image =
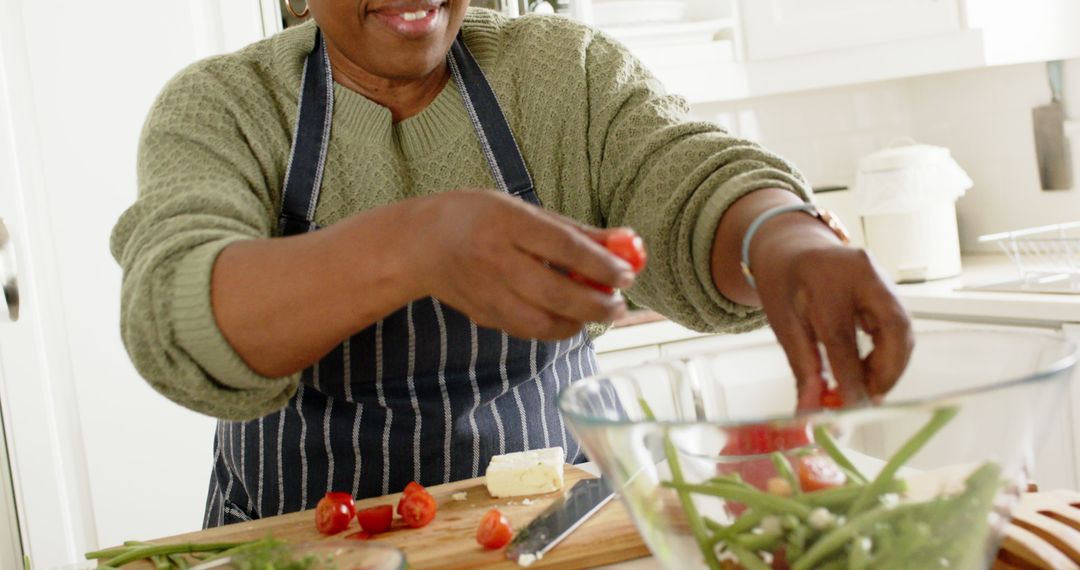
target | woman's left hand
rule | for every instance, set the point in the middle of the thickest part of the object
(814, 289)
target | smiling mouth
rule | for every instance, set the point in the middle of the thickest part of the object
(411, 20)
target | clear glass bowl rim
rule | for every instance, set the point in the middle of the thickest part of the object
(1044, 374)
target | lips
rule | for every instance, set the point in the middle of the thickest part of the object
(411, 20)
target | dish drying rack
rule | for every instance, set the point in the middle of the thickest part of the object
(1047, 259)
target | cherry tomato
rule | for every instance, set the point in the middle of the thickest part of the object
(817, 472)
(376, 519)
(601, 288)
(417, 509)
(627, 245)
(361, 535)
(831, 398)
(344, 498)
(333, 513)
(494, 530)
(411, 488)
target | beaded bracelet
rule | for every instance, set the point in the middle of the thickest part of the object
(824, 215)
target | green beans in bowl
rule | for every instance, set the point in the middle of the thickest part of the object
(718, 472)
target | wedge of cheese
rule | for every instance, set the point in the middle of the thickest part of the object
(525, 472)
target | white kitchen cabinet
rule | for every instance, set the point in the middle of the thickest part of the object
(782, 28)
(784, 46)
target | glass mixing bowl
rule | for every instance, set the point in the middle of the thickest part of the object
(717, 470)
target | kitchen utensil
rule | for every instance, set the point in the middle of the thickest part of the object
(449, 542)
(1045, 532)
(559, 520)
(1047, 259)
(322, 555)
(906, 196)
(1004, 387)
(1051, 143)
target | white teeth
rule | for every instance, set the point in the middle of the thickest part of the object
(413, 16)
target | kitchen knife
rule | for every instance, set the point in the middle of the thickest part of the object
(559, 520)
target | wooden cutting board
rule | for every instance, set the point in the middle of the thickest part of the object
(449, 542)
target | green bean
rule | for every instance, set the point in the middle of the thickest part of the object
(841, 535)
(747, 559)
(705, 543)
(757, 542)
(876, 488)
(160, 562)
(839, 499)
(179, 561)
(141, 552)
(859, 554)
(796, 543)
(783, 468)
(750, 498)
(824, 439)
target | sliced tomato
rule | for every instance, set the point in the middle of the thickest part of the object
(417, 509)
(411, 488)
(332, 514)
(376, 519)
(760, 439)
(345, 499)
(627, 245)
(831, 398)
(817, 472)
(494, 530)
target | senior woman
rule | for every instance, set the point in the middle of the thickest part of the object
(346, 239)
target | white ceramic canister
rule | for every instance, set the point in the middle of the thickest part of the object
(906, 196)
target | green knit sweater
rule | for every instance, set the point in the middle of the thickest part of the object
(603, 141)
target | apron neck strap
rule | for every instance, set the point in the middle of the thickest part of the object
(303, 176)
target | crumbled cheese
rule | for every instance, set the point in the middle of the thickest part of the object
(770, 525)
(525, 472)
(526, 501)
(889, 500)
(460, 496)
(821, 519)
(527, 559)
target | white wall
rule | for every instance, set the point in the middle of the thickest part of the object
(99, 457)
(984, 116)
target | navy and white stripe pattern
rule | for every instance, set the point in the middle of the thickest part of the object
(424, 394)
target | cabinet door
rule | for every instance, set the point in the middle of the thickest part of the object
(779, 28)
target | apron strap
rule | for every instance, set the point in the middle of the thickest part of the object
(496, 138)
(303, 177)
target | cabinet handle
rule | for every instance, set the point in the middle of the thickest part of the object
(9, 283)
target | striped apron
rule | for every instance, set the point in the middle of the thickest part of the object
(425, 394)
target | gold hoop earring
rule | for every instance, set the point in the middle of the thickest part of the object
(288, 5)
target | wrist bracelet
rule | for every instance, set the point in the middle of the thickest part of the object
(824, 215)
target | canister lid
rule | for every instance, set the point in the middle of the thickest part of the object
(902, 157)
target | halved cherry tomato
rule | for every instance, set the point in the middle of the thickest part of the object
(817, 472)
(627, 245)
(333, 513)
(417, 509)
(831, 398)
(411, 488)
(494, 530)
(376, 519)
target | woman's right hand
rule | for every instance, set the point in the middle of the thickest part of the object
(493, 257)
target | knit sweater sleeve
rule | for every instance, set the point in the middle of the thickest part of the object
(202, 186)
(671, 179)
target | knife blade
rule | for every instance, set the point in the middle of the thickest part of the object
(559, 520)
